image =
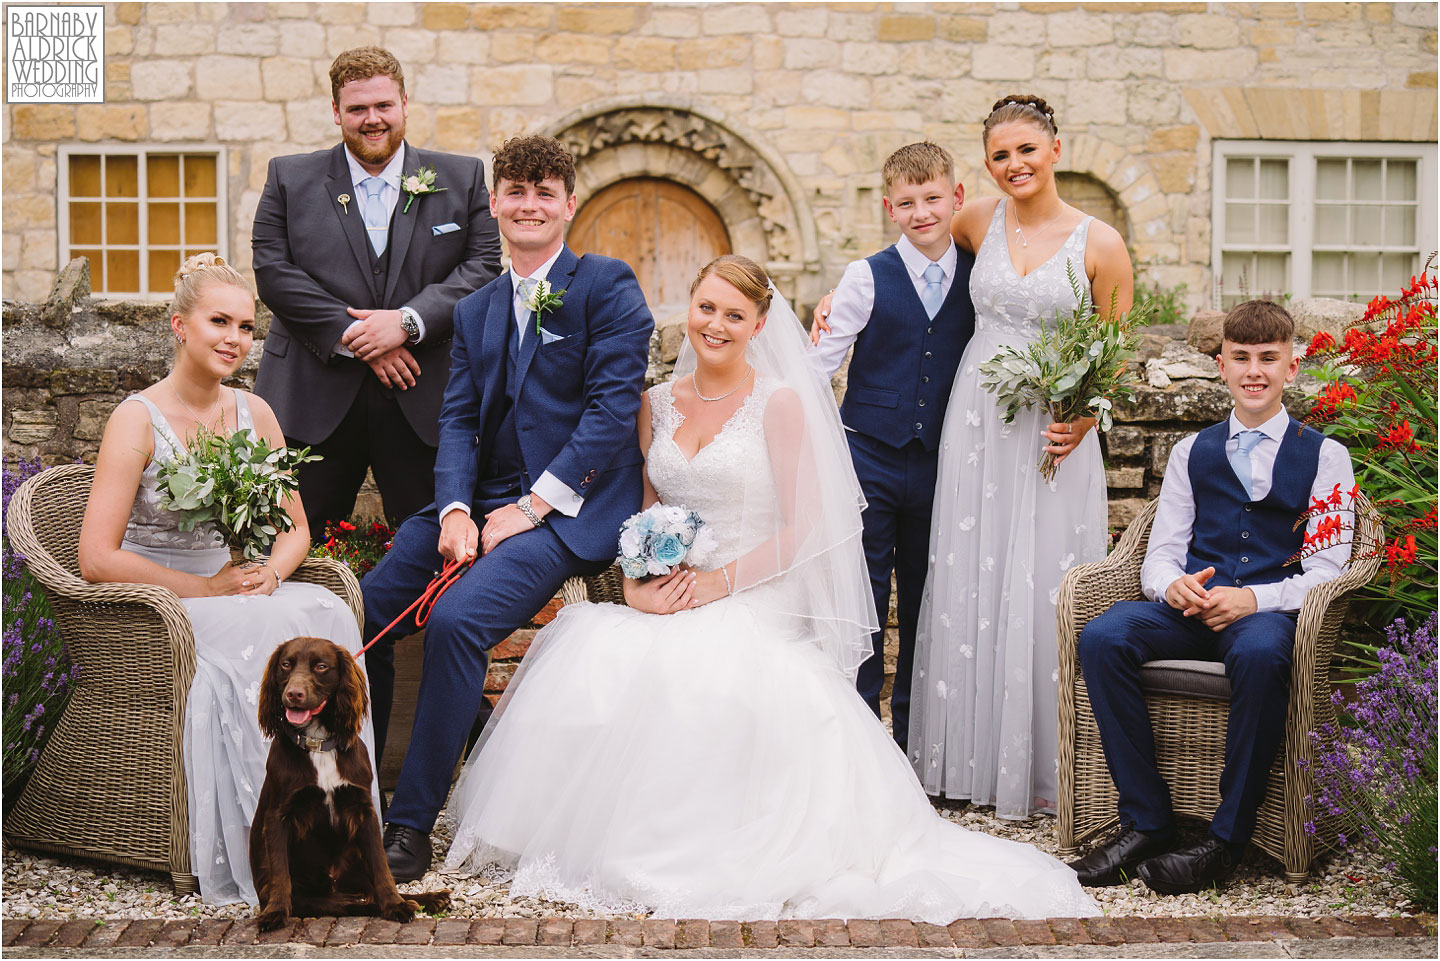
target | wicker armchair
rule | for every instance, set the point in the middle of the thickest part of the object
(1189, 705)
(110, 783)
(607, 587)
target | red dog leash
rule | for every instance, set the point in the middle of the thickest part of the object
(426, 601)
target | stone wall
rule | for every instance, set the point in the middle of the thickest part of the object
(69, 360)
(807, 98)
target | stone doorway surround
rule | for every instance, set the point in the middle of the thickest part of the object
(748, 184)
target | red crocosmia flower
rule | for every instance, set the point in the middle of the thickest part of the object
(1322, 341)
(1399, 437)
(346, 526)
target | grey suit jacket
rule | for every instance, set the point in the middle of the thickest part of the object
(311, 262)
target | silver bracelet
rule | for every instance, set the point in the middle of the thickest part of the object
(278, 580)
(729, 588)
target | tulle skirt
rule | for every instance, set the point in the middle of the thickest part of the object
(224, 750)
(713, 763)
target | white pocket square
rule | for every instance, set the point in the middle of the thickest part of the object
(548, 338)
(439, 229)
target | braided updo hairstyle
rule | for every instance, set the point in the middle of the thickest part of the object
(200, 271)
(1023, 107)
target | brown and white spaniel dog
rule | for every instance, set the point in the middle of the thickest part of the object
(315, 847)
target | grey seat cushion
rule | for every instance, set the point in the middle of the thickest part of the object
(1204, 679)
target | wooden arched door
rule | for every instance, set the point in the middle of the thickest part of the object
(663, 230)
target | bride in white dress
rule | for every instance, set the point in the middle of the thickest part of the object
(702, 752)
(239, 614)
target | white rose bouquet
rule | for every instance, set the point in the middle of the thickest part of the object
(660, 538)
(1079, 369)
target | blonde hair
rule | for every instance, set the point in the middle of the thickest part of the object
(362, 63)
(744, 274)
(1024, 108)
(916, 163)
(200, 271)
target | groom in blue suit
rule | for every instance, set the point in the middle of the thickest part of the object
(538, 445)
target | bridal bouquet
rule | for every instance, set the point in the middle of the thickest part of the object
(657, 540)
(237, 484)
(1077, 370)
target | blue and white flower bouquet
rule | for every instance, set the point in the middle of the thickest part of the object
(660, 538)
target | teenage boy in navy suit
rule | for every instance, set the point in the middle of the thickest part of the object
(907, 310)
(1218, 590)
(538, 467)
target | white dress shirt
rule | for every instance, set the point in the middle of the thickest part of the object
(854, 300)
(1175, 516)
(389, 196)
(548, 488)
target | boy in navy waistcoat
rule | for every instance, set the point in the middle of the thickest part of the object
(907, 310)
(1214, 572)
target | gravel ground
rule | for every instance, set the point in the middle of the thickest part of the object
(1347, 883)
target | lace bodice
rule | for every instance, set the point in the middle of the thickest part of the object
(151, 525)
(1007, 303)
(729, 482)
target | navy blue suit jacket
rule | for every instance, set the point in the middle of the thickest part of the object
(577, 401)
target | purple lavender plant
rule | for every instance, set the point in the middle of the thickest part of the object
(37, 674)
(1375, 766)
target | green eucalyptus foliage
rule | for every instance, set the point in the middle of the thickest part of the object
(237, 485)
(1076, 369)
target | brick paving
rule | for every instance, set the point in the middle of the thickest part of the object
(663, 935)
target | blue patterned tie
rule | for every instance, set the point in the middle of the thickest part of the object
(1245, 442)
(377, 218)
(525, 288)
(932, 296)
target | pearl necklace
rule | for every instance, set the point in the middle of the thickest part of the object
(1021, 234)
(710, 400)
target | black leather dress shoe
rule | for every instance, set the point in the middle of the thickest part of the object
(407, 850)
(1115, 861)
(1190, 869)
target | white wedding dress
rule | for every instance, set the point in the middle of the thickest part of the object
(234, 636)
(715, 763)
(984, 703)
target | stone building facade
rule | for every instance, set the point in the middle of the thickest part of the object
(770, 119)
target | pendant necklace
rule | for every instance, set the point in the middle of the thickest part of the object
(198, 418)
(710, 400)
(1021, 234)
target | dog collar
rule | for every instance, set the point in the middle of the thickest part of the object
(314, 744)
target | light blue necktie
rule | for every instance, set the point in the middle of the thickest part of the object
(377, 218)
(932, 296)
(1245, 442)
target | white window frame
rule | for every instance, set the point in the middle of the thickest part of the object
(1302, 156)
(140, 151)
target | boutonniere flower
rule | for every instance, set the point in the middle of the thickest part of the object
(542, 298)
(418, 183)
(344, 201)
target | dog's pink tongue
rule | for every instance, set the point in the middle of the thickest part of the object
(300, 718)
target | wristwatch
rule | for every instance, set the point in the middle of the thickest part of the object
(524, 504)
(410, 323)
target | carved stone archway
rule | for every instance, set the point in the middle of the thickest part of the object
(763, 207)
(1135, 185)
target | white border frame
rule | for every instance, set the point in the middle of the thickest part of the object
(141, 151)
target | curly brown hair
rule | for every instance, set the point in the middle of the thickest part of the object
(529, 160)
(362, 63)
(1023, 107)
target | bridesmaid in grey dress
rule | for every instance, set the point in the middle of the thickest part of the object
(983, 720)
(239, 614)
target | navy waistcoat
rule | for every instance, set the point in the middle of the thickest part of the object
(904, 363)
(1248, 542)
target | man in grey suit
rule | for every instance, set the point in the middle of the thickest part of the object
(361, 256)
